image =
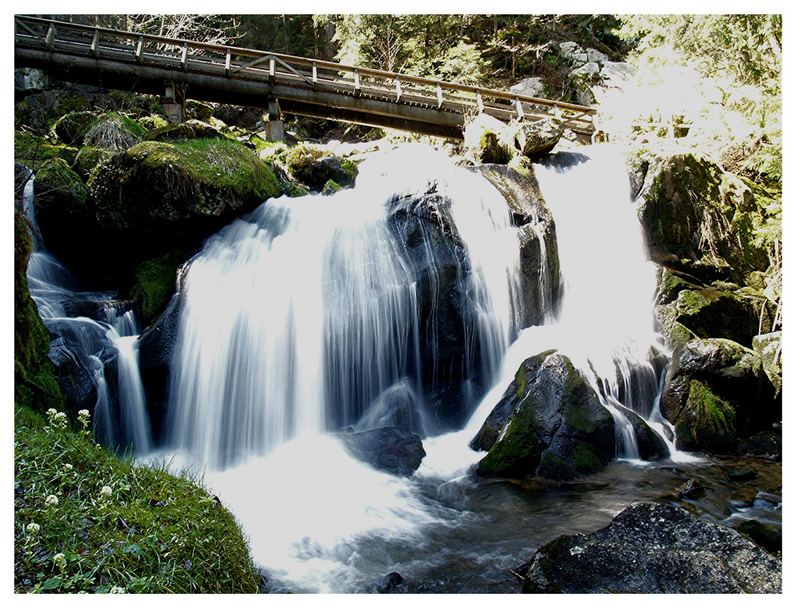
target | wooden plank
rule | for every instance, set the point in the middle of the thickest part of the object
(314, 72)
(228, 63)
(184, 53)
(50, 39)
(479, 101)
(398, 89)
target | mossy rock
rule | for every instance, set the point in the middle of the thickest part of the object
(199, 110)
(715, 393)
(151, 122)
(698, 217)
(710, 312)
(707, 421)
(33, 151)
(314, 167)
(34, 379)
(558, 428)
(159, 193)
(88, 158)
(72, 127)
(183, 131)
(331, 187)
(114, 131)
(489, 140)
(154, 284)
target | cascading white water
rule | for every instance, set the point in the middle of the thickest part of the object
(88, 341)
(298, 317)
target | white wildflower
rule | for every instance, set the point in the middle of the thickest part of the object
(51, 500)
(60, 561)
(59, 419)
(105, 493)
(116, 590)
(83, 418)
(33, 529)
(68, 466)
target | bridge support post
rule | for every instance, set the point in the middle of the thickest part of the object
(273, 121)
(171, 104)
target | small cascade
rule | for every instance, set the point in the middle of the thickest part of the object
(95, 336)
(299, 317)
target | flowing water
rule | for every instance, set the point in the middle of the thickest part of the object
(305, 317)
(90, 330)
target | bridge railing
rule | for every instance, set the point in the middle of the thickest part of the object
(251, 64)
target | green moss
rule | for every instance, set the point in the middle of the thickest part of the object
(154, 284)
(522, 166)
(33, 151)
(152, 531)
(516, 454)
(88, 158)
(581, 459)
(150, 122)
(520, 381)
(492, 150)
(707, 420)
(331, 187)
(56, 180)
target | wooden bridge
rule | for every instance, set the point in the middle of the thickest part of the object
(297, 85)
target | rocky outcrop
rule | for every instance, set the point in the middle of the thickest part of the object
(388, 449)
(537, 138)
(654, 548)
(699, 219)
(715, 393)
(489, 140)
(558, 428)
(540, 276)
(315, 167)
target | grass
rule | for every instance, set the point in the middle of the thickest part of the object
(87, 521)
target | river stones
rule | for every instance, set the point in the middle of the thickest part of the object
(654, 548)
(388, 449)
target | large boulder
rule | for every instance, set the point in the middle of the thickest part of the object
(558, 430)
(537, 138)
(72, 127)
(388, 449)
(654, 548)
(113, 131)
(540, 276)
(176, 194)
(699, 219)
(532, 87)
(489, 140)
(715, 393)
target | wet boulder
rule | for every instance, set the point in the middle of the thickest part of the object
(388, 449)
(559, 429)
(489, 140)
(715, 393)
(72, 127)
(654, 548)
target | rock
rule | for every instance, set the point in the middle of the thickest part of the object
(699, 219)
(765, 444)
(198, 110)
(537, 138)
(113, 131)
(34, 151)
(710, 312)
(180, 132)
(532, 87)
(390, 583)
(650, 444)
(764, 534)
(715, 392)
(396, 407)
(692, 489)
(88, 158)
(72, 127)
(558, 430)
(159, 196)
(576, 54)
(540, 271)
(30, 80)
(331, 187)
(741, 475)
(314, 167)
(654, 548)
(769, 347)
(489, 140)
(388, 449)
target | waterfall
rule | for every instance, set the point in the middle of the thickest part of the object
(91, 329)
(299, 317)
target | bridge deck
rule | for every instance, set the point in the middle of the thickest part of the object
(304, 86)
